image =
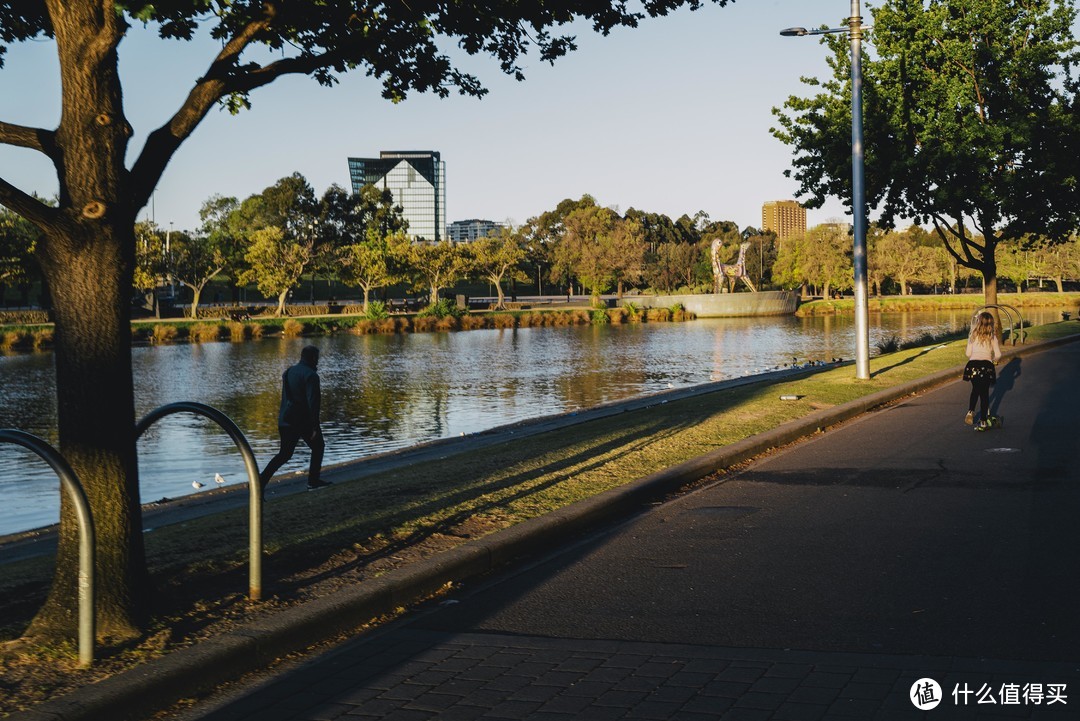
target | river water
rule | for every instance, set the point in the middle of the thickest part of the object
(385, 392)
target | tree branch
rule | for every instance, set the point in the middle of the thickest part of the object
(221, 79)
(21, 136)
(29, 207)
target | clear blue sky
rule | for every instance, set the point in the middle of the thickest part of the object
(671, 117)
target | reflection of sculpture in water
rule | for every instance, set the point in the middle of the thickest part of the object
(727, 275)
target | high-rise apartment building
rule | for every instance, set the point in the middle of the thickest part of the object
(463, 231)
(417, 180)
(783, 217)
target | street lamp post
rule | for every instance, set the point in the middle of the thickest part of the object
(858, 190)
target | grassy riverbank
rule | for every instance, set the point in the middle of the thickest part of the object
(901, 303)
(40, 337)
(318, 542)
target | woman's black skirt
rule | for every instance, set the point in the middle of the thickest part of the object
(980, 369)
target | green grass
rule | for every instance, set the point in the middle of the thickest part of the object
(897, 304)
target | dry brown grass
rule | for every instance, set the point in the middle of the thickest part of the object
(16, 340)
(471, 321)
(292, 328)
(164, 333)
(238, 331)
(658, 315)
(504, 320)
(447, 323)
(423, 324)
(204, 332)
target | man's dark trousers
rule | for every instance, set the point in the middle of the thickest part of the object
(289, 438)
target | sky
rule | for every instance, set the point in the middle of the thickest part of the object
(671, 117)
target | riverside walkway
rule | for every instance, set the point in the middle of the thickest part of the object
(829, 580)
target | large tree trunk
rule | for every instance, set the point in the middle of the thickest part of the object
(196, 291)
(89, 270)
(87, 257)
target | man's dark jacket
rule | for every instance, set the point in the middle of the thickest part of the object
(300, 397)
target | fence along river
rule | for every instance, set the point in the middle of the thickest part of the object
(386, 392)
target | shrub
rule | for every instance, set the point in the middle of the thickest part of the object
(424, 323)
(890, 344)
(659, 315)
(504, 320)
(203, 332)
(633, 312)
(579, 317)
(376, 310)
(163, 333)
(238, 331)
(43, 338)
(471, 321)
(441, 309)
(618, 315)
(364, 326)
(15, 339)
(256, 330)
(292, 328)
(600, 316)
(447, 322)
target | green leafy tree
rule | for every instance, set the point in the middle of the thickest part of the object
(971, 123)
(1060, 261)
(352, 231)
(275, 264)
(87, 248)
(825, 255)
(436, 266)
(1017, 262)
(626, 254)
(585, 248)
(546, 231)
(195, 261)
(901, 258)
(499, 256)
(17, 239)
(370, 263)
(672, 265)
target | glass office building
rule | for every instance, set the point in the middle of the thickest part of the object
(417, 179)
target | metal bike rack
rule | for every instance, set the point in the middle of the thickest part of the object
(1012, 313)
(87, 538)
(255, 545)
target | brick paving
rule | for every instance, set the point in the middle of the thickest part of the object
(406, 674)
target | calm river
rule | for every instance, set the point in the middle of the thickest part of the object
(382, 393)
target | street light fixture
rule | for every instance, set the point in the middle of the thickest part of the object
(858, 191)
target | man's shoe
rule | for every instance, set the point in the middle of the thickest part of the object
(970, 417)
(316, 485)
(982, 426)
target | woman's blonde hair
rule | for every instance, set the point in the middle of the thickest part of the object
(984, 328)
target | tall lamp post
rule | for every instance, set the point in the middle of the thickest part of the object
(858, 190)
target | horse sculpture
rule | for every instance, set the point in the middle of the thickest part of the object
(727, 275)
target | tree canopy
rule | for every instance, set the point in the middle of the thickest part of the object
(87, 247)
(970, 122)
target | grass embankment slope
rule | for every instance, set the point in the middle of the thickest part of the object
(317, 542)
(900, 303)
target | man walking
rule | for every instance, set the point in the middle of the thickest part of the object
(299, 418)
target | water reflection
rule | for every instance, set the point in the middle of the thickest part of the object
(383, 393)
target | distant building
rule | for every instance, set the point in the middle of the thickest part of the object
(786, 218)
(417, 180)
(463, 231)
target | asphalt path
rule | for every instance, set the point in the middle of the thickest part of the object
(820, 582)
(904, 532)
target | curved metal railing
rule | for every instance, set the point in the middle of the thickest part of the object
(1012, 312)
(87, 538)
(254, 486)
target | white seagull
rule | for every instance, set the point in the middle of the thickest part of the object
(218, 479)
(196, 485)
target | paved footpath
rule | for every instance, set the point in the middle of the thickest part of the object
(822, 582)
